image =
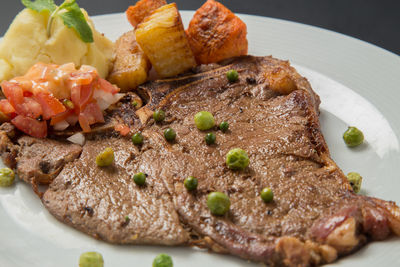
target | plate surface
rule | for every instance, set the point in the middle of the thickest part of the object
(358, 84)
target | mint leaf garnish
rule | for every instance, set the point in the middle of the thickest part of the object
(40, 5)
(75, 19)
(72, 16)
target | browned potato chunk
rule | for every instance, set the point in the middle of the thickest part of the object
(142, 9)
(163, 39)
(131, 65)
(215, 34)
(280, 80)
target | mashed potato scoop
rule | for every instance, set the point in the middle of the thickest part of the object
(26, 43)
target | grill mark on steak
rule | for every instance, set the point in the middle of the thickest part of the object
(314, 216)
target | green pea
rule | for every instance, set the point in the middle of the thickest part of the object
(191, 183)
(237, 159)
(163, 260)
(233, 76)
(267, 195)
(7, 177)
(139, 178)
(137, 139)
(204, 120)
(210, 138)
(355, 180)
(218, 203)
(353, 137)
(91, 259)
(224, 126)
(105, 158)
(159, 115)
(170, 134)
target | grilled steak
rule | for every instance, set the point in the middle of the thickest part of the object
(38, 161)
(106, 203)
(273, 114)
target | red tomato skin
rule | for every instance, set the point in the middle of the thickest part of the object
(90, 115)
(82, 78)
(25, 106)
(6, 107)
(108, 87)
(122, 129)
(93, 110)
(84, 123)
(27, 94)
(86, 95)
(13, 92)
(51, 106)
(75, 97)
(30, 126)
(61, 117)
(29, 108)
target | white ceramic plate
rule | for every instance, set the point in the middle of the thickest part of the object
(358, 84)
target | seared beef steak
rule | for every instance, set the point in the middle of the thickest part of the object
(314, 218)
(107, 204)
(38, 161)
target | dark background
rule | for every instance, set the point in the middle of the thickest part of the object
(374, 21)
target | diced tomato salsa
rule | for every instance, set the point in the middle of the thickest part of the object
(39, 97)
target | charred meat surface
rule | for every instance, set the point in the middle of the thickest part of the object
(273, 115)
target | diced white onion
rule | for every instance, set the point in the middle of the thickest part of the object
(118, 97)
(61, 126)
(105, 99)
(102, 104)
(77, 138)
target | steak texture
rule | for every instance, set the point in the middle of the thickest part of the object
(273, 114)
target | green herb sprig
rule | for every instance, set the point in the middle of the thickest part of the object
(72, 16)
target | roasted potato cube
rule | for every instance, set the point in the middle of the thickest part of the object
(163, 39)
(142, 9)
(280, 79)
(131, 65)
(215, 34)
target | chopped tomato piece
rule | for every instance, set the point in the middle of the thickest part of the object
(6, 107)
(82, 78)
(81, 95)
(25, 106)
(30, 126)
(51, 106)
(29, 108)
(27, 94)
(90, 115)
(84, 123)
(13, 92)
(93, 112)
(122, 129)
(75, 96)
(108, 87)
(38, 96)
(86, 95)
(61, 117)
